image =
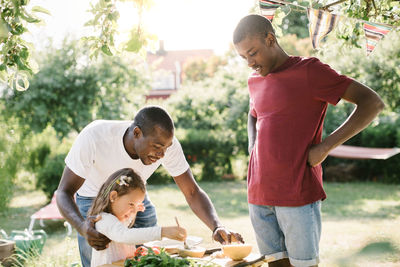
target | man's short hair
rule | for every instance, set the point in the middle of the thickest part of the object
(149, 117)
(252, 25)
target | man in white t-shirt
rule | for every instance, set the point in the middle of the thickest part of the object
(103, 147)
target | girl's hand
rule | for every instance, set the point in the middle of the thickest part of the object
(174, 232)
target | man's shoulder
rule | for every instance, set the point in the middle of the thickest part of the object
(104, 126)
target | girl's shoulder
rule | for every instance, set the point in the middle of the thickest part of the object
(105, 216)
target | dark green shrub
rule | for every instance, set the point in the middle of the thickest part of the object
(49, 176)
(160, 176)
(38, 156)
(11, 158)
(212, 150)
(385, 134)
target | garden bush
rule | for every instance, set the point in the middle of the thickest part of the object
(49, 175)
(384, 132)
(213, 150)
(11, 158)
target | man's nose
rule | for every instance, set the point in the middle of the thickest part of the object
(160, 153)
(250, 62)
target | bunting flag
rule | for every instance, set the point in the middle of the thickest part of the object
(268, 8)
(374, 33)
(321, 23)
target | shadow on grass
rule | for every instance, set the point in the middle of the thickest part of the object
(381, 249)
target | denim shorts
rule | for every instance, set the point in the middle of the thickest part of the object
(288, 232)
(148, 218)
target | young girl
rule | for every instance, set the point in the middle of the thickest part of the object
(116, 205)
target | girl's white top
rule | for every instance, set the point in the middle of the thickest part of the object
(123, 239)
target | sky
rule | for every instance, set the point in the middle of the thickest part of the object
(182, 24)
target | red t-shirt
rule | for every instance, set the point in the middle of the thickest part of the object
(290, 105)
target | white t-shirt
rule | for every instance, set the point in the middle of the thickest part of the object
(123, 239)
(98, 151)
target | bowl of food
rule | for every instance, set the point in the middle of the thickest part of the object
(237, 251)
(194, 252)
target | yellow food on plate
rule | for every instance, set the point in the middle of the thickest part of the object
(237, 251)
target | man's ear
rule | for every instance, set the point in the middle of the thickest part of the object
(137, 132)
(270, 39)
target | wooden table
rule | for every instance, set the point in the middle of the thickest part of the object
(253, 260)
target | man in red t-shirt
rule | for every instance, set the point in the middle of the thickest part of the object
(289, 96)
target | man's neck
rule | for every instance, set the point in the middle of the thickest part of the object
(129, 145)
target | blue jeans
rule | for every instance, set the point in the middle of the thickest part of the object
(288, 232)
(148, 218)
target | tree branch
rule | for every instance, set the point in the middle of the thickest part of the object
(333, 4)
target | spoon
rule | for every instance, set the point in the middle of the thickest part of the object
(185, 245)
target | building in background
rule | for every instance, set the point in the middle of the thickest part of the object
(167, 69)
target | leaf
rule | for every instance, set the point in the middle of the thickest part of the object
(3, 30)
(41, 10)
(3, 75)
(134, 44)
(106, 50)
(25, 81)
(29, 18)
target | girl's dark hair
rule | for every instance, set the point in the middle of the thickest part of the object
(121, 181)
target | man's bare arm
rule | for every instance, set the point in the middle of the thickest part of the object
(69, 184)
(202, 206)
(368, 106)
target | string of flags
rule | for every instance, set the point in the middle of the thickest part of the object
(322, 22)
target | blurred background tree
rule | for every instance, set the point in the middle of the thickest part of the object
(16, 63)
(70, 90)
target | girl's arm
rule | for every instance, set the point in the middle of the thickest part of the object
(111, 227)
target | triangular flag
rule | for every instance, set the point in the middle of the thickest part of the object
(374, 33)
(268, 8)
(321, 23)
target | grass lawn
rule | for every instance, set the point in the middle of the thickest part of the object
(360, 222)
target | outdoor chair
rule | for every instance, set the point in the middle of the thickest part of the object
(49, 212)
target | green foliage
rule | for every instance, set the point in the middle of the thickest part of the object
(10, 154)
(385, 133)
(49, 175)
(105, 26)
(295, 46)
(380, 70)
(152, 259)
(199, 69)
(69, 92)
(160, 176)
(291, 19)
(213, 149)
(162, 259)
(16, 64)
(38, 156)
(211, 118)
